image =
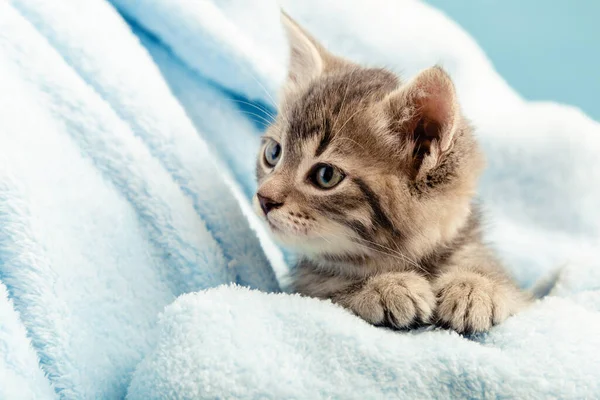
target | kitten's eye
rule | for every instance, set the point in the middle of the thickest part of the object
(326, 176)
(272, 153)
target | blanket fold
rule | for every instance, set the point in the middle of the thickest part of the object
(111, 203)
(20, 372)
(281, 346)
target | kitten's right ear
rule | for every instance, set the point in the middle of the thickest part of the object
(426, 115)
(307, 56)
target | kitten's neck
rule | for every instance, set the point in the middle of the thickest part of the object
(381, 259)
(359, 266)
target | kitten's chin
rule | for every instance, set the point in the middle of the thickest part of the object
(312, 244)
(289, 237)
(307, 239)
(303, 245)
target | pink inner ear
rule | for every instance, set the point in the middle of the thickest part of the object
(436, 110)
(425, 131)
(435, 97)
(435, 113)
(425, 113)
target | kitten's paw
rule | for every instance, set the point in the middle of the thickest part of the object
(469, 302)
(399, 300)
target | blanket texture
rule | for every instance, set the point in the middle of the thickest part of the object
(111, 204)
(128, 133)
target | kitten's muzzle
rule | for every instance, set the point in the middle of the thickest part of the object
(267, 204)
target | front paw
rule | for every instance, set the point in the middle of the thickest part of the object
(398, 300)
(469, 302)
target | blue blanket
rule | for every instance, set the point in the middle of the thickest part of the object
(128, 131)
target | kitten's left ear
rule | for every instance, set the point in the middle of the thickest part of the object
(426, 113)
(307, 56)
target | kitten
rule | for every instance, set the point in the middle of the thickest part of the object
(372, 180)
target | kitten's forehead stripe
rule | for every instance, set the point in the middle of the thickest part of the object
(329, 100)
(325, 139)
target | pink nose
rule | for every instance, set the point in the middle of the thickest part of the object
(267, 204)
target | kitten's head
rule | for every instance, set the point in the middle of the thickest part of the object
(358, 161)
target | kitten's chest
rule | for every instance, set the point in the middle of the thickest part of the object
(315, 281)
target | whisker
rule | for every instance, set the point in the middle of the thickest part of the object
(386, 250)
(324, 238)
(348, 120)
(264, 110)
(400, 254)
(397, 252)
(351, 140)
(342, 106)
(263, 119)
(278, 107)
(251, 75)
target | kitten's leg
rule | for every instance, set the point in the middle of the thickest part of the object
(399, 300)
(474, 299)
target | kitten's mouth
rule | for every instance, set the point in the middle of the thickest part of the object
(283, 229)
(273, 227)
(279, 226)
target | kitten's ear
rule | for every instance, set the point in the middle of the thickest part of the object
(426, 114)
(307, 56)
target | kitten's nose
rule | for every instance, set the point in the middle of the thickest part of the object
(267, 204)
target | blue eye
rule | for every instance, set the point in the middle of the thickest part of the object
(272, 153)
(326, 176)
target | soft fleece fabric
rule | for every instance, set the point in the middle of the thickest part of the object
(128, 133)
(111, 203)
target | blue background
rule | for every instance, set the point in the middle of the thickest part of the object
(546, 50)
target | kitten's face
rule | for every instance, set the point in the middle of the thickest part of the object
(356, 162)
(319, 161)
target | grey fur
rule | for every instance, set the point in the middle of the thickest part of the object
(398, 241)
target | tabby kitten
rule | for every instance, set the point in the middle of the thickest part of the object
(372, 180)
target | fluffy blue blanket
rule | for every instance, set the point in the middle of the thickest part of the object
(128, 131)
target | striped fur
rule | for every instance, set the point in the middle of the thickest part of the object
(398, 241)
